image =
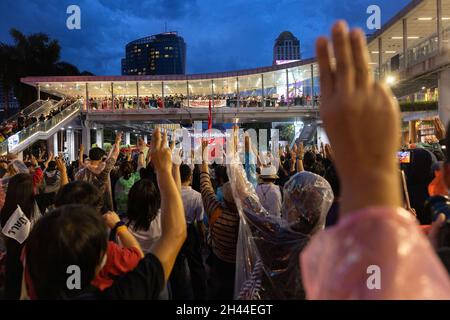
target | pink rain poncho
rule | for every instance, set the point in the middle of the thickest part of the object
(377, 253)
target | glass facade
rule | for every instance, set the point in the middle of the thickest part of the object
(294, 84)
(160, 54)
(13, 103)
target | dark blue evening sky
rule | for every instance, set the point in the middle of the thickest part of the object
(220, 35)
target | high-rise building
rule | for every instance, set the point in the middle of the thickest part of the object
(286, 48)
(123, 63)
(159, 54)
(12, 101)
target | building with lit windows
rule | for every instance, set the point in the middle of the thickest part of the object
(160, 54)
(286, 48)
(12, 101)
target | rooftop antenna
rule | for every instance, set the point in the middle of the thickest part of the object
(165, 27)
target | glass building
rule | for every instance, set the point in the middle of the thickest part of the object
(159, 54)
(286, 48)
(279, 83)
(11, 99)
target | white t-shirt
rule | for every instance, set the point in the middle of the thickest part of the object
(270, 197)
(193, 204)
(147, 238)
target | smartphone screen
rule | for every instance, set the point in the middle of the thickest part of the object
(404, 156)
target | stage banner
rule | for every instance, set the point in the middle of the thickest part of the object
(205, 103)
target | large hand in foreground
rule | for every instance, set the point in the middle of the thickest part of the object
(361, 119)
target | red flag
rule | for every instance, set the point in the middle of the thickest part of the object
(211, 141)
(210, 116)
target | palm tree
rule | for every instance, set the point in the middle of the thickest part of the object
(65, 69)
(37, 56)
(37, 51)
(30, 55)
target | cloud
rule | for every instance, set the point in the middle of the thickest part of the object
(154, 9)
(220, 35)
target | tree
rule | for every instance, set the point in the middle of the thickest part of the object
(65, 69)
(31, 55)
(287, 132)
(258, 126)
(86, 73)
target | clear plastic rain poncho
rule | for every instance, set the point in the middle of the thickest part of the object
(268, 247)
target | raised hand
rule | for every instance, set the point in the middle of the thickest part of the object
(300, 150)
(111, 218)
(41, 155)
(60, 165)
(161, 154)
(205, 144)
(177, 154)
(362, 121)
(149, 157)
(294, 152)
(141, 145)
(439, 129)
(128, 154)
(118, 139)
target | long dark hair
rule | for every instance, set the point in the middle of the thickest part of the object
(144, 201)
(72, 235)
(20, 192)
(127, 169)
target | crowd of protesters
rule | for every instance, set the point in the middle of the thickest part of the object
(181, 101)
(148, 226)
(24, 121)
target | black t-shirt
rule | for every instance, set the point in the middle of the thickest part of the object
(145, 282)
